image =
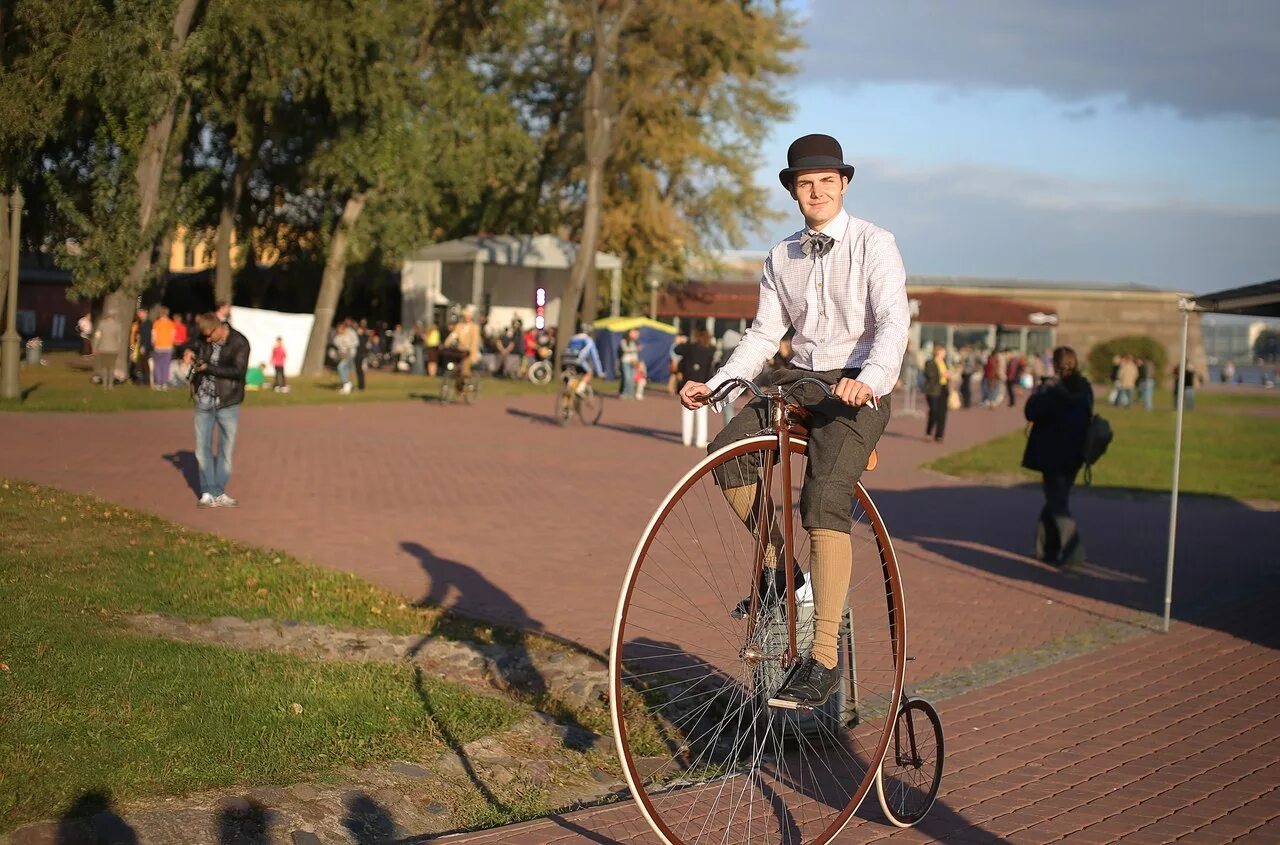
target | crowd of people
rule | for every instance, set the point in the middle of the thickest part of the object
(153, 351)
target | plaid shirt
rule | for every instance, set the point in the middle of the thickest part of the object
(848, 308)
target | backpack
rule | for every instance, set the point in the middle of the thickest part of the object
(1096, 440)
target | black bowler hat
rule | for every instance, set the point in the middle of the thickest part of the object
(814, 152)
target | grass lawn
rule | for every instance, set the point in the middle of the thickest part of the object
(1227, 449)
(85, 705)
(62, 384)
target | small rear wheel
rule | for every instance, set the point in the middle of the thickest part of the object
(471, 392)
(908, 779)
(590, 406)
(446, 391)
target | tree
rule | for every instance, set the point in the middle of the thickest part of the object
(1267, 345)
(685, 96)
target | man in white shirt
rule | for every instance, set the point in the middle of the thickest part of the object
(839, 283)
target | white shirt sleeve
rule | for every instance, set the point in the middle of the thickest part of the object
(761, 341)
(887, 300)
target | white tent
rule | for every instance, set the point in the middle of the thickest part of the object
(1260, 300)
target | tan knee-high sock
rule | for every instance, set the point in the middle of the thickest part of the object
(743, 502)
(832, 562)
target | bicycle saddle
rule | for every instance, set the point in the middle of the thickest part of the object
(799, 417)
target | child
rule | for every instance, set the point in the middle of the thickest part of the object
(278, 355)
(642, 378)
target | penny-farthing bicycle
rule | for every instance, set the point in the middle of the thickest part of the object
(707, 757)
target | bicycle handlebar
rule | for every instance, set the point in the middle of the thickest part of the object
(722, 392)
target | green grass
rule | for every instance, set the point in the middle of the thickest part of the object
(1225, 450)
(63, 385)
(84, 705)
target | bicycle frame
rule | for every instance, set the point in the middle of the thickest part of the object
(781, 421)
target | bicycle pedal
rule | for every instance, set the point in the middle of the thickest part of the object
(787, 704)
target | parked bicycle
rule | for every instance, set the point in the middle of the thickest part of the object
(580, 400)
(710, 755)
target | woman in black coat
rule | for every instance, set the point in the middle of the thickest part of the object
(937, 393)
(1060, 411)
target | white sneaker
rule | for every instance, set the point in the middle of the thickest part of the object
(206, 501)
(346, 388)
(225, 501)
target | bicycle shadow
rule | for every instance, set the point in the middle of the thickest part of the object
(516, 671)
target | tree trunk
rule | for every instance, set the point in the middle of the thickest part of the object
(599, 119)
(123, 304)
(152, 157)
(335, 270)
(222, 285)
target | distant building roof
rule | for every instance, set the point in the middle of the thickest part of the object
(518, 250)
(957, 309)
(1044, 284)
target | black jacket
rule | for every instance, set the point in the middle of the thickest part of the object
(933, 385)
(228, 373)
(1060, 414)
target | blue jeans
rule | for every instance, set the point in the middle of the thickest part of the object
(344, 369)
(215, 472)
(628, 380)
(1148, 387)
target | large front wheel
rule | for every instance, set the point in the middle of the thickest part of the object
(706, 758)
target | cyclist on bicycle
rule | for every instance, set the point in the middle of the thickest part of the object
(839, 283)
(581, 353)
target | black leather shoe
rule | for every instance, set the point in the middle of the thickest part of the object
(771, 589)
(809, 684)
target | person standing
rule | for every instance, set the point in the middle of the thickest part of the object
(937, 392)
(140, 348)
(968, 366)
(628, 357)
(1147, 382)
(1013, 376)
(278, 356)
(465, 339)
(1126, 381)
(163, 332)
(696, 357)
(84, 326)
(990, 379)
(106, 347)
(219, 362)
(1187, 381)
(345, 344)
(364, 337)
(840, 284)
(1060, 411)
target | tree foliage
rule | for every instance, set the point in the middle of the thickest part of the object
(1137, 346)
(339, 131)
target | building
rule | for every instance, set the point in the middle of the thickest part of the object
(1030, 316)
(505, 276)
(1230, 339)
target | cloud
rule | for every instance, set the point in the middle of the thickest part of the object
(989, 222)
(1200, 58)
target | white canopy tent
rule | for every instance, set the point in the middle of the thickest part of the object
(1260, 300)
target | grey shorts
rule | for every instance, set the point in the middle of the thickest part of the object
(841, 438)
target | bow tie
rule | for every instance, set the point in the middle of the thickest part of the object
(816, 243)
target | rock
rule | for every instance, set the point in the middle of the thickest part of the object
(435, 808)
(304, 792)
(45, 833)
(270, 795)
(305, 837)
(450, 763)
(409, 770)
(237, 808)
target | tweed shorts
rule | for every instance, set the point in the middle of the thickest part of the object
(841, 438)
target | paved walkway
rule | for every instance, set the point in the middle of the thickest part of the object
(495, 510)
(1159, 740)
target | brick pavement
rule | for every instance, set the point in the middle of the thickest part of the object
(1161, 739)
(485, 509)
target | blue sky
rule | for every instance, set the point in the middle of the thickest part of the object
(1091, 140)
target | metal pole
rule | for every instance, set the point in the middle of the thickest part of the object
(1186, 307)
(11, 343)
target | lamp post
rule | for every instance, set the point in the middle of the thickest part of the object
(11, 343)
(654, 278)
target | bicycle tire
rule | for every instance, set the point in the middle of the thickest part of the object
(914, 765)
(540, 372)
(471, 392)
(590, 406)
(446, 391)
(705, 758)
(564, 406)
